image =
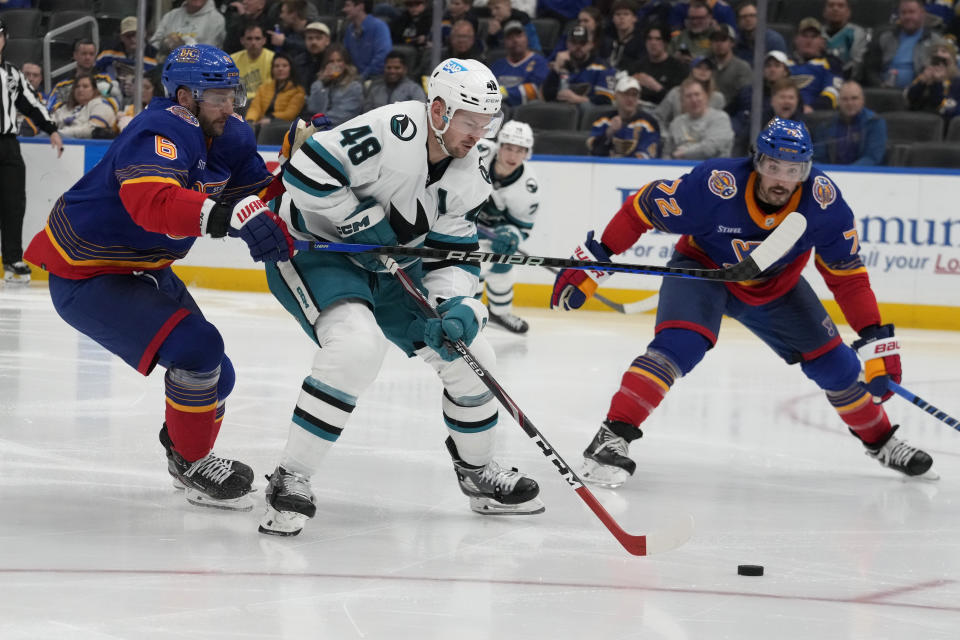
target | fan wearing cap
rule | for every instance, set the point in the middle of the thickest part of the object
(577, 75)
(522, 71)
(723, 209)
(776, 67)
(502, 15)
(813, 68)
(405, 174)
(702, 69)
(626, 131)
(316, 39)
(119, 58)
(731, 74)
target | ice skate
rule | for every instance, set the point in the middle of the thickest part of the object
(494, 490)
(290, 503)
(211, 481)
(509, 321)
(898, 455)
(16, 272)
(605, 460)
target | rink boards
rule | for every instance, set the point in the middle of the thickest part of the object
(907, 221)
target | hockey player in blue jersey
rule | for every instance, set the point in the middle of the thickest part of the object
(723, 209)
(187, 166)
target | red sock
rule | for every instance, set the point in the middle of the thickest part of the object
(867, 420)
(191, 416)
(642, 388)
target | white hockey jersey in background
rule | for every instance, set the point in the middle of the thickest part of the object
(515, 198)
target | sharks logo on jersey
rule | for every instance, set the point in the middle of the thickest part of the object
(403, 127)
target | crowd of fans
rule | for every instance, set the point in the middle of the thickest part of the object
(648, 78)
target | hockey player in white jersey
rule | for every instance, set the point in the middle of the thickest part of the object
(508, 216)
(404, 174)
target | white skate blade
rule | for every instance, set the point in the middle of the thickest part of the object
(200, 499)
(603, 475)
(282, 523)
(927, 476)
(490, 507)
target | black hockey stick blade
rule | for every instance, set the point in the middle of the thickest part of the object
(761, 258)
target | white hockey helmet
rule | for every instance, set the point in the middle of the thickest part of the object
(467, 85)
(518, 133)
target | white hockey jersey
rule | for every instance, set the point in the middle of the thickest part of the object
(380, 158)
(515, 198)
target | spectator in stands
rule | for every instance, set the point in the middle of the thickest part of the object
(812, 71)
(700, 132)
(784, 102)
(702, 70)
(394, 86)
(856, 136)
(119, 58)
(502, 14)
(578, 76)
(367, 39)
(85, 114)
(732, 74)
(721, 11)
(653, 13)
(627, 131)
(33, 74)
(845, 40)
(462, 43)
(522, 71)
(317, 38)
(562, 10)
(194, 22)
(255, 61)
(657, 72)
(776, 67)
(694, 40)
(627, 47)
(937, 89)
(337, 93)
(150, 88)
(281, 97)
(241, 13)
(896, 55)
(412, 27)
(747, 33)
(291, 37)
(592, 20)
(458, 10)
(85, 57)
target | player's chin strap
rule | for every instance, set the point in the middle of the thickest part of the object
(437, 133)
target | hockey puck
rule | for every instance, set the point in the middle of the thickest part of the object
(750, 569)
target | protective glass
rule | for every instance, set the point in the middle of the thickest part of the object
(783, 169)
(479, 125)
(222, 99)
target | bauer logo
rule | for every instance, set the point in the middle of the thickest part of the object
(453, 66)
(824, 192)
(723, 184)
(403, 127)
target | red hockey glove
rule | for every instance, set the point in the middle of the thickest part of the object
(880, 353)
(573, 287)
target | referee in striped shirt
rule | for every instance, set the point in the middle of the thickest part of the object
(16, 94)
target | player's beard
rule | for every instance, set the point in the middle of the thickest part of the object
(776, 195)
(212, 127)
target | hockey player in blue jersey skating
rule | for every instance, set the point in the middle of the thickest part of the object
(185, 167)
(723, 209)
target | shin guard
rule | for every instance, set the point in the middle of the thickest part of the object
(866, 420)
(191, 411)
(642, 388)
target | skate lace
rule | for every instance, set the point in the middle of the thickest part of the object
(499, 478)
(900, 453)
(613, 442)
(295, 484)
(212, 468)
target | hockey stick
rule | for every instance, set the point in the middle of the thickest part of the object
(768, 252)
(926, 406)
(639, 306)
(642, 545)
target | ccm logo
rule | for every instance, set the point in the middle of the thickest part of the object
(248, 211)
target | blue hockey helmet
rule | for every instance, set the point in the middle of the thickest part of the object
(199, 67)
(784, 150)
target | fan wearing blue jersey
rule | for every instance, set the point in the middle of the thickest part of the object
(187, 166)
(722, 210)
